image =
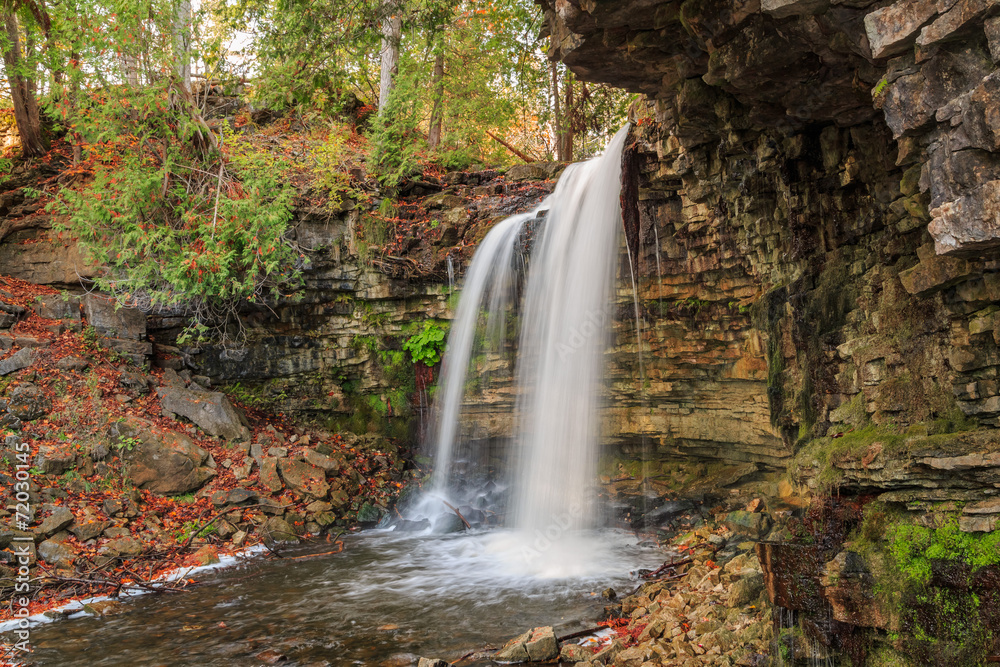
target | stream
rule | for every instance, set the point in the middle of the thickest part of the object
(386, 599)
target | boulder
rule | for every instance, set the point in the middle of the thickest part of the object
(28, 402)
(163, 461)
(57, 306)
(751, 524)
(327, 463)
(211, 411)
(536, 645)
(53, 460)
(269, 474)
(746, 590)
(575, 653)
(72, 363)
(17, 361)
(111, 320)
(121, 546)
(58, 520)
(304, 478)
(431, 662)
(88, 526)
(56, 553)
(276, 529)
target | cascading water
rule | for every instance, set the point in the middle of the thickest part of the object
(560, 369)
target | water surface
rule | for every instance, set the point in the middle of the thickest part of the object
(385, 596)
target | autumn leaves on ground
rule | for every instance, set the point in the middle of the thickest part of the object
(122, 489)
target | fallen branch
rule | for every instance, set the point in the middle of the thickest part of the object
(666, 566)
(581, 633)
(468, 526)
(523, 156)
(474, 653)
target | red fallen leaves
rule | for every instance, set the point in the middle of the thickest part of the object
(628, 634)
(84, 404)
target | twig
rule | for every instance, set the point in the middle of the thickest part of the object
(218, 190)
(666, 566)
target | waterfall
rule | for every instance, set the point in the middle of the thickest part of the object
(564, 332)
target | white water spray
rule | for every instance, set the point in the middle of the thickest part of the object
(565, 322)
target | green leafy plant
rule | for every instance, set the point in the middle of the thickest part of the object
(426, 345)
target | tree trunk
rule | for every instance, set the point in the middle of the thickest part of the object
(182, 42)
(569, 125)
(130, 67)
(557, 115)
(29, 126)
(392, 29)
(437, 111)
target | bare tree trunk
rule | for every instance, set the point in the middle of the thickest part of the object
(130, 66)
(182, 42)
(22, 93)
(557, 115)
(437, 111)
(569, 126)
(392, 29)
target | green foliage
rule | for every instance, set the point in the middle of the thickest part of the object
(426, 345)
(175, 225)
(914, 547)
(189, 528)
(333, 160)
(128, 444)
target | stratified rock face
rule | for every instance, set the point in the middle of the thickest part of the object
(818, 218)
(928, 65)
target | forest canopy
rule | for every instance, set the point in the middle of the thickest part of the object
(186, 206)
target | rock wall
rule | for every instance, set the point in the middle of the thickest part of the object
(815, 197)
(817, 289)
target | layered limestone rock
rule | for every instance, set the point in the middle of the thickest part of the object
(815, 185)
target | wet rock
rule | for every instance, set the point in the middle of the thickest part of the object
(407, 526)
(574, 653)
(276, 530)
(514, 650)
(28, 402)
(746, 590)
(212, 412)
(448, 523)
(105, 607)
(431, 662)
(57, 553)
(304, 478)
(206, 555)
(369, 514)
(17, 361)
(58, 520)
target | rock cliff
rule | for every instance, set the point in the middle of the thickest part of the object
(817, 270)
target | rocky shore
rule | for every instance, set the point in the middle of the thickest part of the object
(114, 473)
